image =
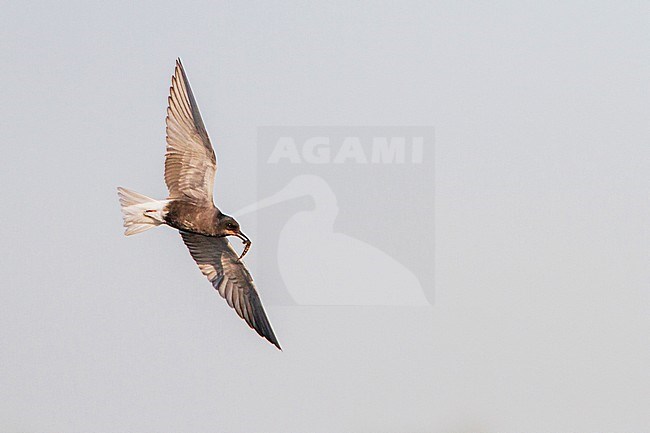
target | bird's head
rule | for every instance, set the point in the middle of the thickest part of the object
(228, 226)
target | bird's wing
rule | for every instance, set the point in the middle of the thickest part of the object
(190, 163)
(219, 262)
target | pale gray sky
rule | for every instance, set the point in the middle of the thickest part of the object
(540, 319)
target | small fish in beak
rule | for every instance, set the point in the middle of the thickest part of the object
(246, 242)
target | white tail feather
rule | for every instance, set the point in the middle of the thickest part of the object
(140, 212)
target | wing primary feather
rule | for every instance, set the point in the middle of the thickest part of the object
(190, 162)
(218, 261)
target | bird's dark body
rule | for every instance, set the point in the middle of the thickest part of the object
(189, 217)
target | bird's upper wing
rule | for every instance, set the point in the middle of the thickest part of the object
(220, 263)
(190, 163)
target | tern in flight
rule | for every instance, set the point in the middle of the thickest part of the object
(190, 166)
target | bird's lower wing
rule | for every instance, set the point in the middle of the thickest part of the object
(220, 263)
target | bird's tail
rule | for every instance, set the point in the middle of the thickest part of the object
(140, 212)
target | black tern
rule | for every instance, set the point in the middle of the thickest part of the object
(190, 167)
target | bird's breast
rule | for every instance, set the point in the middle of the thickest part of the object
(190, 217)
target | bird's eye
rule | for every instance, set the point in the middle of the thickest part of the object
(231, 226)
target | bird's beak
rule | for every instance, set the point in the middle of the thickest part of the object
(246, 242)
